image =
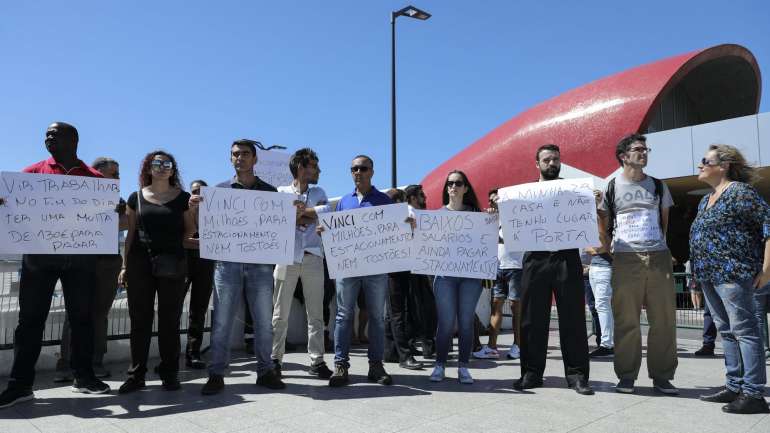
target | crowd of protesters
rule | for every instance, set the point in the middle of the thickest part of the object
(631, 269)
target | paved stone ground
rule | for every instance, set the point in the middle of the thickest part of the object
(413, 404)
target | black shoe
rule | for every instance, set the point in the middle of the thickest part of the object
(214, 385)
(270, 380)
(601, 352)
(13, 395)
(705, 351)
(171, 383)
(195, 362)
(90, 386)
(746, 405)
(625, 386)
(723, 396)
(339, 377)
(277, 368)
(528, 381)
(320, 370)
(664, 387)
(130, 385)
(581, 386)
(377, 374)
(410, 364)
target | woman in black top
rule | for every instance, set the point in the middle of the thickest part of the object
(158, 223)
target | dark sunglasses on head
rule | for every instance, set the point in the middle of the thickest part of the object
(359, 168)
(456, 183)
(166, 165)
(709, 162)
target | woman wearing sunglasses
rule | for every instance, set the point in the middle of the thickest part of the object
(456, 297)
(730, 253)
(158, 223)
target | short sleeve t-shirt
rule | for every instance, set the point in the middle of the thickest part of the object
(637, 215)
(163, 223)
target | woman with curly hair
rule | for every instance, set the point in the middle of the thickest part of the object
(158, 223)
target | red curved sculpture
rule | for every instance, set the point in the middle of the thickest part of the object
(585, 122)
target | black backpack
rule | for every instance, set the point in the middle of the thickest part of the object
(610, 197)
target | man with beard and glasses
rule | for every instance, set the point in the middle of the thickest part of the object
(547, 274)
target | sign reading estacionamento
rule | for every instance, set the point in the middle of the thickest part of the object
(58, 214)
(549, 216)
(244, 226)
(455, 244)
(367, 241)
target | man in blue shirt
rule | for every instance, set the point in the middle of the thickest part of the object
(375, 288)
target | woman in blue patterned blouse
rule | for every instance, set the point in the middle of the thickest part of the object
(731, 260)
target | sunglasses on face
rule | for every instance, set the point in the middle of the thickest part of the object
(455, 183)
(707, 162)
(359, 169)
(165, 165)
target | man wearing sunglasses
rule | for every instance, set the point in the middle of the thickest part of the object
(634, 216)
(375, 288)
(38, 277)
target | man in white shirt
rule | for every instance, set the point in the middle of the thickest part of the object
(308, 265)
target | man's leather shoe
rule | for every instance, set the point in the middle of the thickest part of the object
(410, 364)
(705, 351)
(746, 405)
(528, 381)
(582, 387)
(723, 396)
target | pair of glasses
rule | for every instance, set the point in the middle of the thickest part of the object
(640, 150)
(455, 183)
(708, 162)
(158, 164)
(359, 169)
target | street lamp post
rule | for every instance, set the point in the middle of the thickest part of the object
(410, 12)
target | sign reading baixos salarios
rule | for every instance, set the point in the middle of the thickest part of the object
(367, 241)
(549, 216)
(57, 214)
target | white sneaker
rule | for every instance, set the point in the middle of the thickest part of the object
(514, 353)
(486, 352)
(464, 376)
(438, 374)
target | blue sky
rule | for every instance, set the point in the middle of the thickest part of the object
(191, 76)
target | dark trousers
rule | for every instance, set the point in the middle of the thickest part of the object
(422, 317)
(396, 336)
(709, 327)
(200, 282)
(141, 290)
(558, 274)
(591, 304)
(105, 288)
(330, 292)
(39, 273)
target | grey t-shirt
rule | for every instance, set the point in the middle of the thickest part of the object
(637, 215)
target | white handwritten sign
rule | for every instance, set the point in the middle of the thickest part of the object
(57, 214)
(641, 225)
(455, 244)
(367, 241)
(245, 226)
(549, 216)
(273, 167)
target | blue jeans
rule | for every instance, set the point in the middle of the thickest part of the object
(600, 277)
(233, 281)
(456, 300)
(375, 289)
(761, 304)
(732, 307)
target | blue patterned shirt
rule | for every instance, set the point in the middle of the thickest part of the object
(727, 241)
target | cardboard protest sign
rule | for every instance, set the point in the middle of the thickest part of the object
(273, 167)
(549, 216)
(367, 241)
(57, 214)
(455, 244)
(245, 226)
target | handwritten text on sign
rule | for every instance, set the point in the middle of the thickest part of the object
(273, 167)
(56, 214)
(549, 216)
(244, 226)
(455, 244)
(367, 241)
